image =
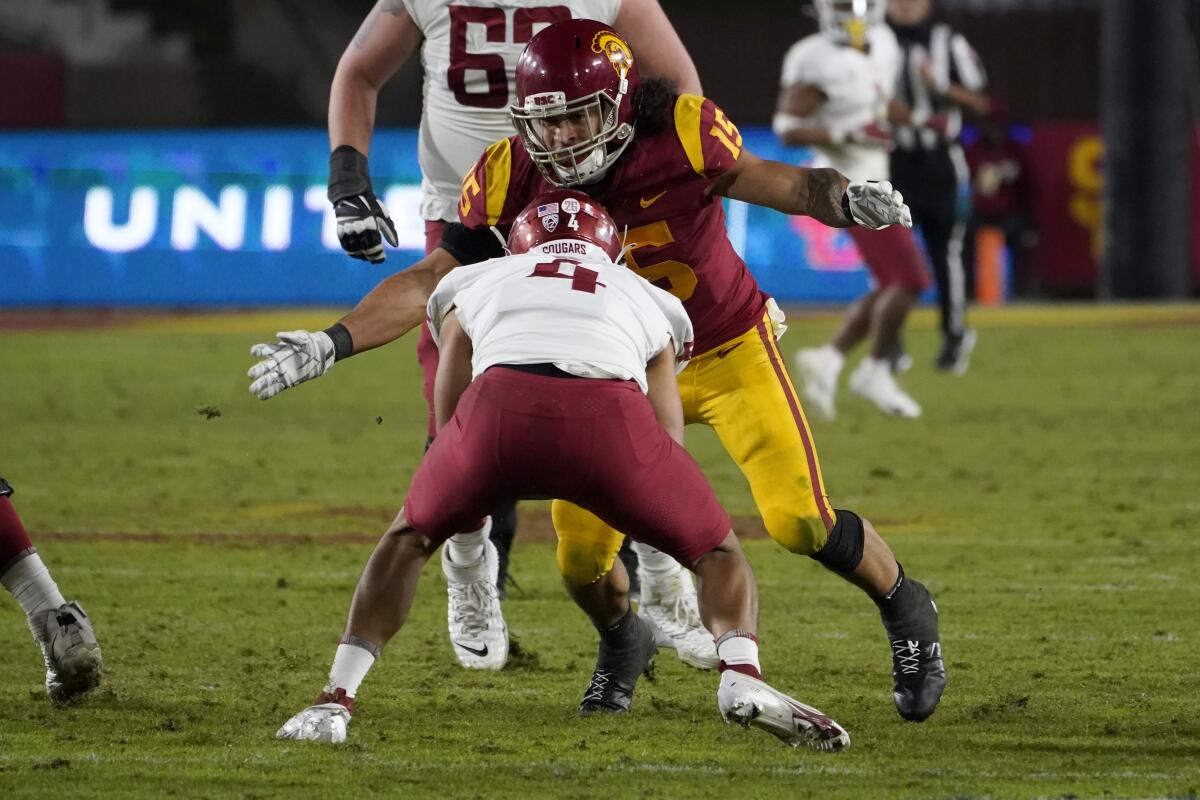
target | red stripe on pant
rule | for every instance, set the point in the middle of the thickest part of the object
(814, 472)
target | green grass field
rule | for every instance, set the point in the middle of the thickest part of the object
(1050, 499)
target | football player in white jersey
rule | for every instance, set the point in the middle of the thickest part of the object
(469, 51)
(836, 86)
(557, 379)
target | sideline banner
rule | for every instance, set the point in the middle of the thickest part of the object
(239, 217)
(1066, 181)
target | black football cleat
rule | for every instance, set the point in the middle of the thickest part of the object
(955, 355)
(611, 688)
(918, 677)
(918, 672)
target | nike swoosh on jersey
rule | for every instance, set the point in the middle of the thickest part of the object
(728, 350)
(647, 203)
(481, 652)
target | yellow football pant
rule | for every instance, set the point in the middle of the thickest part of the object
(742, 391)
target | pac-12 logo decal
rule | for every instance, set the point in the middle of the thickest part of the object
(613, 46)
(550, 222)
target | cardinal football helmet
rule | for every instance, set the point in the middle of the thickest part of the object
(563, 214)
(574, 109)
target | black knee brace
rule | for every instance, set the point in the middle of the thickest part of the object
(843, 550)
(5, 488)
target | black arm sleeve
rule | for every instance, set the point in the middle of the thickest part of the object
(470, 245)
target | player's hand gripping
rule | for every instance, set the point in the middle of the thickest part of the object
(362, 225)
(298, 356)
(875, 205)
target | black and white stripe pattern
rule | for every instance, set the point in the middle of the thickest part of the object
(952, 60)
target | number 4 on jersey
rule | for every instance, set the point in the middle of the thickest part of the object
(582, 279)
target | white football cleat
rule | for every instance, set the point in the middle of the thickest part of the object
(819, 369)
(324, 722)
(749, 701)
(671, 607)
(873, 380)
(71, 653)
(477, 628)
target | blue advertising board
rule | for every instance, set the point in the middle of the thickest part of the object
(239, 218)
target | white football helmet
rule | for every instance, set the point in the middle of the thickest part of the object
(847, 21)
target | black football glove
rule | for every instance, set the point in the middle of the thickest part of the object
(362, 221)
(362, 224)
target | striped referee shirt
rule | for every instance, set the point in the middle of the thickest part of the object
(952, 61)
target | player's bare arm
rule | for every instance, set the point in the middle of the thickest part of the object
(387, 38)
(454, 369)
(397, 304)
(659, 49)
(826, 195)
(390, 310)
(795, 105)
(816, 193)
(663, 392)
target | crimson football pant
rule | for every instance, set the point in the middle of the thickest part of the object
(592, 442)
(504, 517)
(893, 257)
(14, 541)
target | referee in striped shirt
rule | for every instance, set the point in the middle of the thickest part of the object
(939, 77)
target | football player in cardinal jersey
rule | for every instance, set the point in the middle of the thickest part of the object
(469, 52)
(557, 379)
(660, 163)
(60, 627)
(835, 91)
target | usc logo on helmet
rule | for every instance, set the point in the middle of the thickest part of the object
(614, 47)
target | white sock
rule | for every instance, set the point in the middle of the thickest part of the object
(739, 650)
(30, 584)
(834, 354)
(654, 565)
(350, 665)
(467, 548)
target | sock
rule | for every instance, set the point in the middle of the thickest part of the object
(654, 566)
(14, 541)
(738, 651)
(351, 663)
(467, 548)
(621, 635)
(30, 584)
(903, 610)
(833, 353)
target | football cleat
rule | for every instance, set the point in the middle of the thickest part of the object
(617, 671)
(918, 671)
(324, 721)
(750, 701)
(478, 632)
(873, 380)
(819, 369)
(671, 607)
(71, 653)
(955, 355)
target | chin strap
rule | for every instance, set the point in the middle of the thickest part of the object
(503, 242)
(626, 246)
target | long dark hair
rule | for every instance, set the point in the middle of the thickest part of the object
(654, 106)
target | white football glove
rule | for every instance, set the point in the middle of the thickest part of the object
(298, 356)
(322, 723)
(875, 205)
